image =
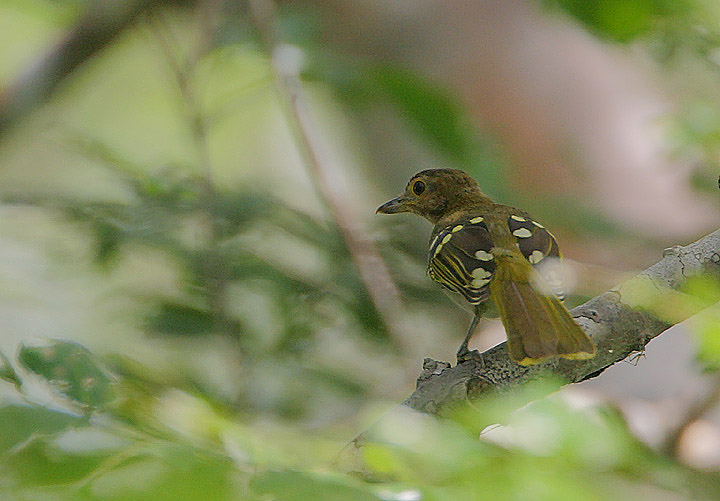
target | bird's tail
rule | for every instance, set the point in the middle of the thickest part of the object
(538, 326)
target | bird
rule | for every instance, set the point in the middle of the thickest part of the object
(484, 251)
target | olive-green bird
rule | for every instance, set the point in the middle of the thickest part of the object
(481, 249)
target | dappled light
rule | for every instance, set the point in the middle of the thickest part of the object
(200, 302)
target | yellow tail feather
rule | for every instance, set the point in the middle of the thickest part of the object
(538, 326)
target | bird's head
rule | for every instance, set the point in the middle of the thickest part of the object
(435, 193)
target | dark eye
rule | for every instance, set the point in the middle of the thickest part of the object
(418, 187)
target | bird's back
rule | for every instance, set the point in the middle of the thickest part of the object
(466, 248)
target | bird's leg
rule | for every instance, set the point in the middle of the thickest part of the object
(463, 353)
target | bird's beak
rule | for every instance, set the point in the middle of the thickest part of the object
(394, 206)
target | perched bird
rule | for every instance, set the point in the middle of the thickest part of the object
(481, 249)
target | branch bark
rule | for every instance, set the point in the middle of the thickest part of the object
(620, 322)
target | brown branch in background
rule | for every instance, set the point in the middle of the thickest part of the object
(672, 443)
(97, 28)
(372, 268)
(620, 322)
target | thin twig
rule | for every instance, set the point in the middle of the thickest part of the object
(216, 282)
(373, 270)
(95, 30)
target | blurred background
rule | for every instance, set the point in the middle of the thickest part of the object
(198, 301)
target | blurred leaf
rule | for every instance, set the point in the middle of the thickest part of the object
(168, 186)
(430, 110)
(342, 382)
(707, 337)
(181, 319)
(62, 13)
(40, 461)
(145, 470)
(72, 370)
(108, 240)
(168, 471)
(19, 422)
(116, 224)
(236, 210)
(443, 123)
(622, 20)
(293, 485)
(439, 117)
(7, 372)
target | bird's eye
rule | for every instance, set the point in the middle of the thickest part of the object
(418, 188)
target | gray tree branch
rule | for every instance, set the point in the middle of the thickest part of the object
(620, 322)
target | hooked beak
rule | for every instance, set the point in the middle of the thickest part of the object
(394, 206)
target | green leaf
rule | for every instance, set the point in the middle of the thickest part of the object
(115, 469)
(108, 239)
(621, 20)
(294, 485)
(7, 373)
(20, 422)
(41, 462)
(430, 110)
(179, 319)
(168, 471)
(72, 370)
(707, 338)
(443, 122)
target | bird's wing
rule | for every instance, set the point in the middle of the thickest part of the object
(540, 248)
(460, 259)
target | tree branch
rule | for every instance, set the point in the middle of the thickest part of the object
(328, 179)
(620, 322)
(97, 28)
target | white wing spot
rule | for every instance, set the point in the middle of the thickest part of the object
(481, 273)
(483, 255)
(476, 220)
(522, 233)
(457, 228)
(445, 240)
(536, 257)
(538, 224)
(518, 218)
(480, 282)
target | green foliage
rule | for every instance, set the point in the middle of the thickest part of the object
(7, 373)
(695, 135)
(706, 325)
(209, 237)
(278, 285)
(306, 485)
(622, 20)
(547, 450)
(72, 370)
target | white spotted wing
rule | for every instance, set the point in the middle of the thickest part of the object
(539, 247)
(461, 260)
